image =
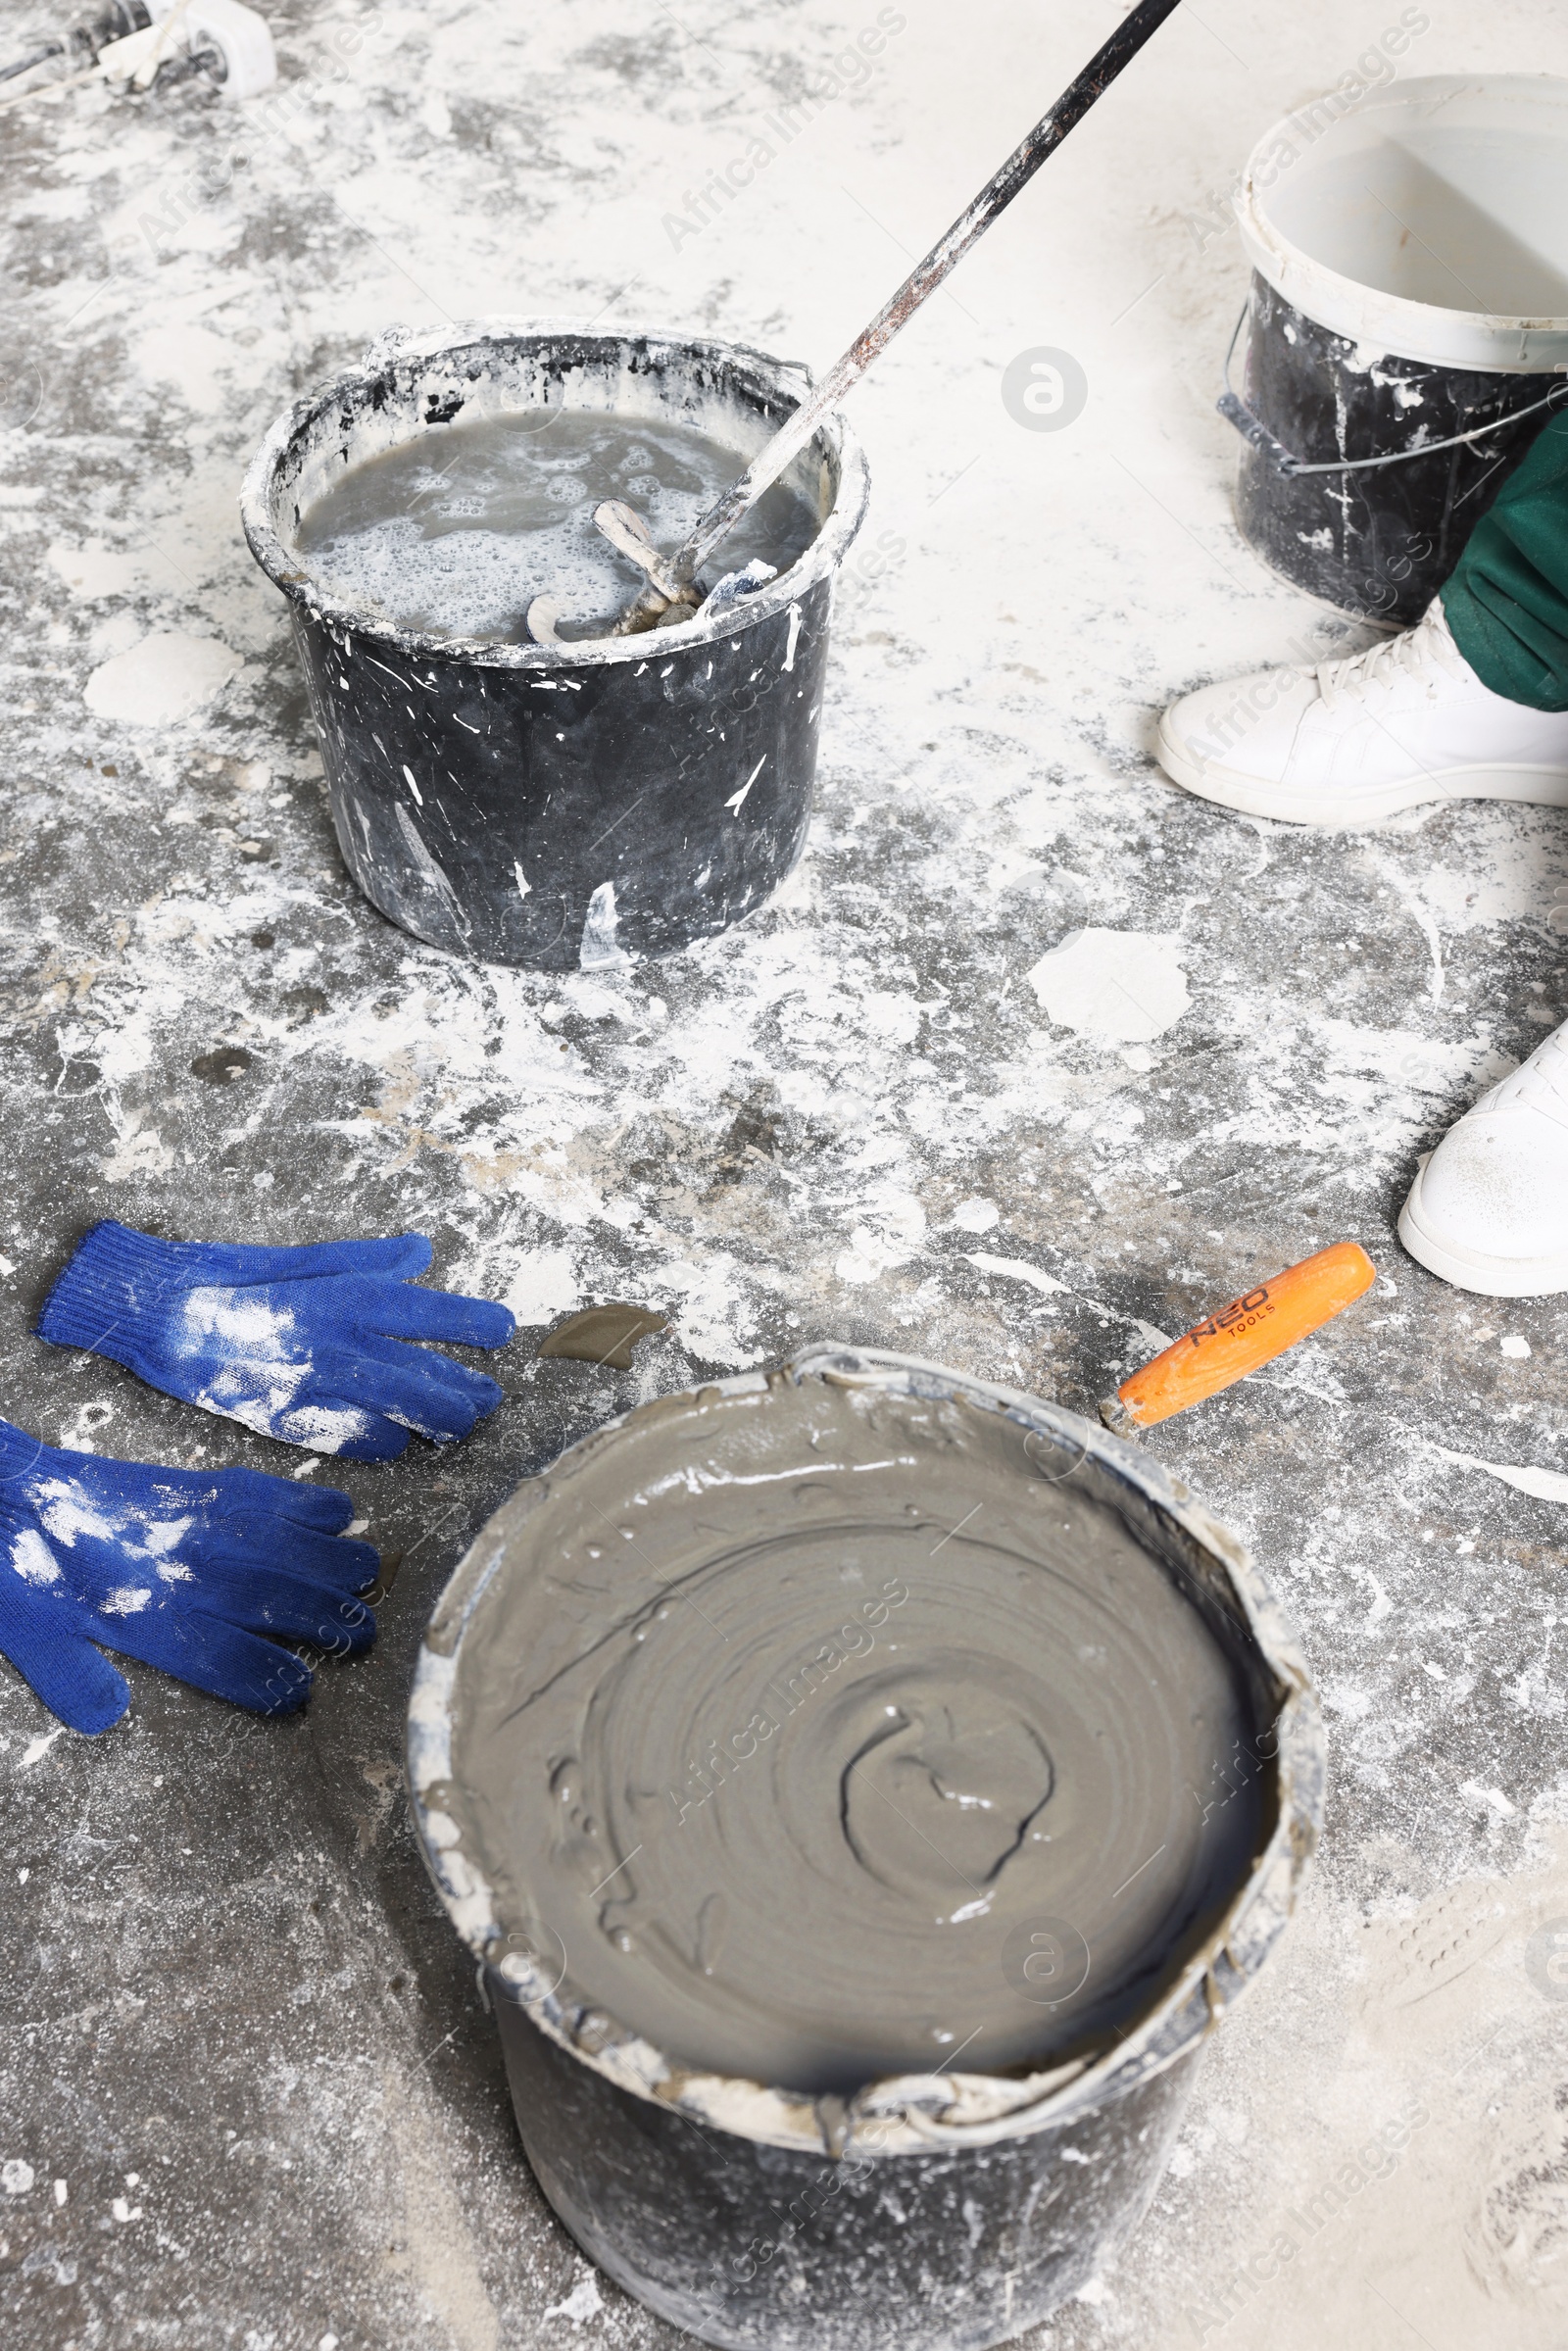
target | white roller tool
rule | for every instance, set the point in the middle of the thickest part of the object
(132, 44)
(231, 42)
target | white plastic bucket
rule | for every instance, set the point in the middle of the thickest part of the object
(1430, 220)
(1407, 327)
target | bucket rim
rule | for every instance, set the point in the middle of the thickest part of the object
(906, 2113)
(396, 345)
(1482, 342)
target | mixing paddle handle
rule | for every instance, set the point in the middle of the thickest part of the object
(923, 280)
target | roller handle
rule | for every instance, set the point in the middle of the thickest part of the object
(1250, 1331)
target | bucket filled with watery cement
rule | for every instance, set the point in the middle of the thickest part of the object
(866, 1790)
(1408, 325)
(563, 803)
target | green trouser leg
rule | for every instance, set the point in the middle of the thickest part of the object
(1507, 600)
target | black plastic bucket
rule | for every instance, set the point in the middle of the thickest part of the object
(941, 2212)
(563, 806)
(763, 2247)
(1407, 312)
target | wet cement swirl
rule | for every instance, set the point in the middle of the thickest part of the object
(838, 1733)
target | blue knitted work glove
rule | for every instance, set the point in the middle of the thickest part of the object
(182, 1569)
(303, 1343)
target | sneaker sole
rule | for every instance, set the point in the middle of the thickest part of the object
(1474, 1269)
(1346, 812)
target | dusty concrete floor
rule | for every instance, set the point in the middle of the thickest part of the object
(235, 2025)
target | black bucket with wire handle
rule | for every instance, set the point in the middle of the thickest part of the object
(573, 804)
(1406, 328)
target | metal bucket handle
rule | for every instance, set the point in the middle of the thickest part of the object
(1249, 425)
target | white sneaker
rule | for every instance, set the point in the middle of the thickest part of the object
(1489, 1209)
(1355, 741)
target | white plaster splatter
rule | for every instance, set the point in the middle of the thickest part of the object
(544, 1285)
(1114, 987)
(164, 678)
(600, 950)
(126, 1599)
(709, 1317)
(68, 1512)
(435, 878)
(1492, 1798)
(162, 1536)
(191, 359)
(1017, 1269)
(140, 1151)
(32, 1558)
(737, 799)
(122, 1049)
(582, 2303)
(1014, 1269)
(1419, 913)
(236, 1316)
(1546, 1485)
(93, 572)
(976, 1215)
(889, 1237)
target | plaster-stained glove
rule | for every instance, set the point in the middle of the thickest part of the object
(184, 1570)
(301, 1343)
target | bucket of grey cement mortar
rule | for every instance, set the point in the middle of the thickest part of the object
(556, 805)
(763, 1848)
(1409, 251)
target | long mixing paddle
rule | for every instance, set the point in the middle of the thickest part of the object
(670, 594)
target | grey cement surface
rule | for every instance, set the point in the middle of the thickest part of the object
(234, 2023)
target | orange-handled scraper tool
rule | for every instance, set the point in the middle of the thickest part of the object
(1249, 1331)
